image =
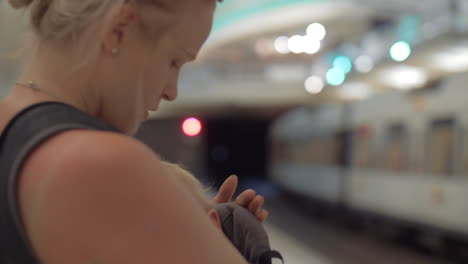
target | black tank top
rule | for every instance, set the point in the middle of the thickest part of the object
(25, 132)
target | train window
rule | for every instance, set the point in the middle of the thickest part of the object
(287, 151)
(315, 151)
(279, 151)
(332, 150)
(296, 152)
(324, 150)
(395, 156)
(441, 147)
(303, 151)
(362, 147)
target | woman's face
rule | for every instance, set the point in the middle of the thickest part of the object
(144, 73)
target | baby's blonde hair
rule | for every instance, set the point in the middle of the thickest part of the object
(192, 184)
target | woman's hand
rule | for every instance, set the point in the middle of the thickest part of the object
(247, 199)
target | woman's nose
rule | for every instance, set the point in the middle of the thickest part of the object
(170, 92)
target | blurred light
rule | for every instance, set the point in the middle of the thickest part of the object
(311, 45)
(314, 85)
(344, 63)
(354, 91)
(191, 127)
(404, 77)
(400, 51)
(336, 76)
(296, 44)
(364, 64)
(316, 31)
(281, 45)
(410, 28)
(454, 59)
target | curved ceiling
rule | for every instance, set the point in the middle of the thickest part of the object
(231, 11)
(250, 19)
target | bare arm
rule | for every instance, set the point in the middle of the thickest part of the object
(110, 202)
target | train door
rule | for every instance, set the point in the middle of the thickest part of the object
(361, 147)
(396, 148)
(441, 144)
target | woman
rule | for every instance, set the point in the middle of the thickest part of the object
(83, 192)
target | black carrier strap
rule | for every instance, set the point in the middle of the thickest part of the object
(26, 131)
(268, 256)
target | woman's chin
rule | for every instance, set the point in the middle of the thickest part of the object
(132, 132)
(132, 129)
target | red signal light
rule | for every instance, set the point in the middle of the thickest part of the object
(192, 127)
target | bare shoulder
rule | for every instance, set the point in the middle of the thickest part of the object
(96, 150)
(98, 147)
(105, 198)
(89, 156)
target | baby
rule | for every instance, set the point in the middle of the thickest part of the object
(242, 228)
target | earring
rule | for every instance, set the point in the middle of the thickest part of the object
(115, 50)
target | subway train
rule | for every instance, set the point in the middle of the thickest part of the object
(399, 156)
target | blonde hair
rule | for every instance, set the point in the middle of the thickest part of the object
(192, 184)
(62, 20)
(67, 20)
(79, 24)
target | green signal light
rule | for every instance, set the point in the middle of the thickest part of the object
(400, 51)
(336, 76)
(344, 63)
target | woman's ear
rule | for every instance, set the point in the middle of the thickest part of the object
(123, 21)
(214, 217)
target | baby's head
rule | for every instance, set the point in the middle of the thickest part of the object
(241, 227)
(196, 189)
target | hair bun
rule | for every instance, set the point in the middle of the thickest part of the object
(20, 3)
